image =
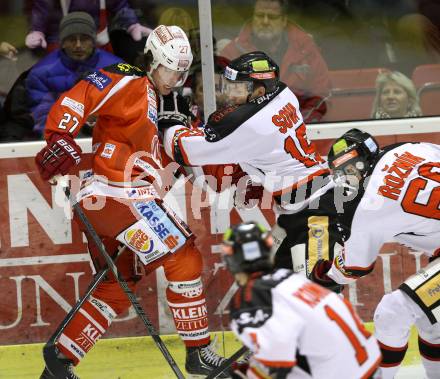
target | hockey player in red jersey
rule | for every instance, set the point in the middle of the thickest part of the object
(294, 328)
(126, 159)
(399, 202)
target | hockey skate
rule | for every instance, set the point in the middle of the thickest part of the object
(69, 372)
(201, 360)
(60, 366)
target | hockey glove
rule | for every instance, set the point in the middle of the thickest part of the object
(319, 276)
(239, 369)
(173, 110)
(58, 157)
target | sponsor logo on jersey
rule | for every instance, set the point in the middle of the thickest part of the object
(139, 240)
(74, 105)
(318, 247)
(95, 147)
(286, 118)
(146, 167)
(253, 318)
(140, 192)
(210, 133)
(340, 263)
(159, 222)
(128, 68)
(151, 96)
(152, 114)
(152, 105)
(317, 231)
(108, 150)
(98, 79)
(429, 292)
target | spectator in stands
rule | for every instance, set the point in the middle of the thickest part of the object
(46, 16)
(8, 51)
(302, 67)
(396, 97)
(220, 64)
(35, 91)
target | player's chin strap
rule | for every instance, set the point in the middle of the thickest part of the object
(63, 182)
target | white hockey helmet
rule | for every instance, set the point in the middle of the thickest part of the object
(170, 48)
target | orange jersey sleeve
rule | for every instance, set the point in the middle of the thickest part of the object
(95, 93)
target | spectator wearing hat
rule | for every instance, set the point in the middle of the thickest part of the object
(302, 67)
(58, 72)
(46, 15)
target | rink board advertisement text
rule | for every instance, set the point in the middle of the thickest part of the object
(44, 265)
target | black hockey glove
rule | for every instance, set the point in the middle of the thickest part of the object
(173, 110)
(319, 276)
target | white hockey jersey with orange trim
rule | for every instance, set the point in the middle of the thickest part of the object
(401, 203)
(125, 139)
(266, 137)
(282, 316)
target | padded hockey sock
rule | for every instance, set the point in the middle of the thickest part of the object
(85, 329)
(190, 314)
(392, 358)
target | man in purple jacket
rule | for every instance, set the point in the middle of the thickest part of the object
(46, 15)
(59, 71)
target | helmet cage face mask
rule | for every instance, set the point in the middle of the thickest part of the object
(170, 48)
(247, 248)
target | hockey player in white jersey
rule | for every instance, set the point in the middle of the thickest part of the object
(263, 131)
(293, 327)
(399, 202)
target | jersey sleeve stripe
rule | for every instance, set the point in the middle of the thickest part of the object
(183, 153)
(276, 363)
(372, 370)
(121, 84)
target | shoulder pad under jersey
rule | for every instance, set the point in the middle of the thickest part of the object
(224, 121)
(125, 69)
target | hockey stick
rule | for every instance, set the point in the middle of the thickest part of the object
(50, 351)
(123, 284)
(228, 362)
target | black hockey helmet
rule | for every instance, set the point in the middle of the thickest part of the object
(355, 150)
(247, 248)
(254, 67)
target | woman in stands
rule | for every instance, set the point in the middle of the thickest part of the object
(396, 97)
